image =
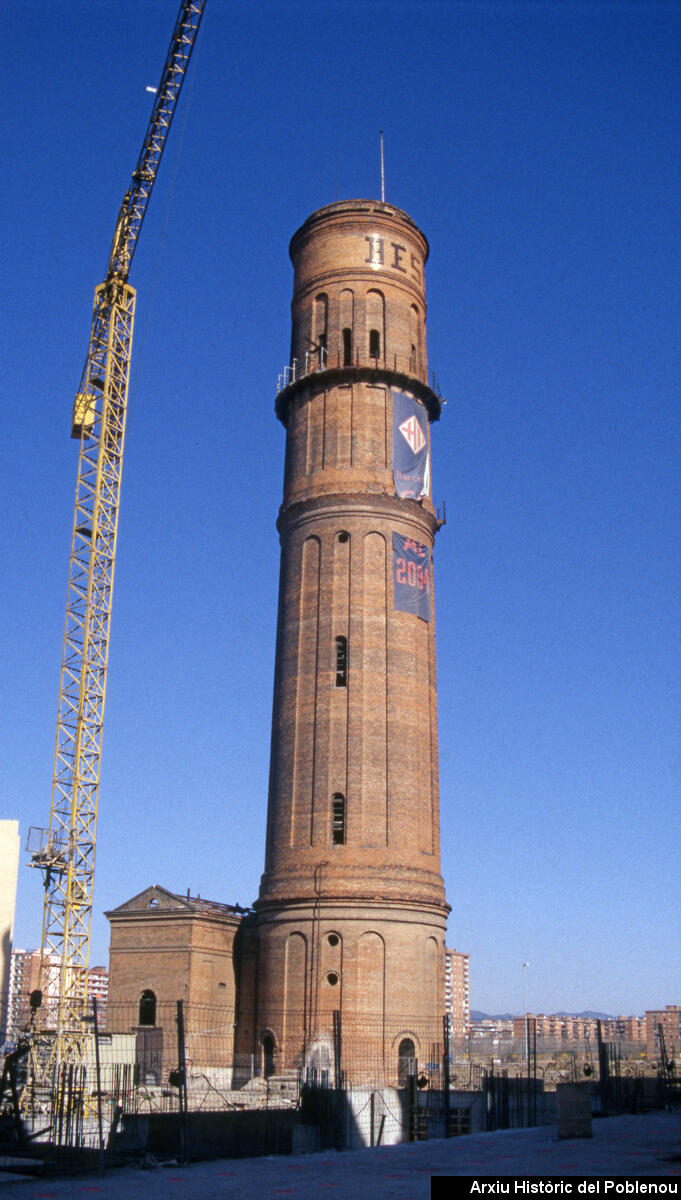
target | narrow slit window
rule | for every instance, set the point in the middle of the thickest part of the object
(338, 820)
(341, 662)
(347, 347)
(321, 349)
(374, 343)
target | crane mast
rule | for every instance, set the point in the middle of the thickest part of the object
(66, 851)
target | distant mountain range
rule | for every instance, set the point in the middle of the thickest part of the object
(476, 1015)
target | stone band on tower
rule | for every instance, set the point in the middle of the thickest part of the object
(351, 914)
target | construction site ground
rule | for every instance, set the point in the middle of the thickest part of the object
(633, 1147)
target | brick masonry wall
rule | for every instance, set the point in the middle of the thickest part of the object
(176, 955)
(379, 894)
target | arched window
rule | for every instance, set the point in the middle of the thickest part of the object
(416, 339)
(338, 820)
(267, 1055)
(319, 333)
(147, 1008)
(375, 322)
(347, 347)
(346, 324)
(406, 1061)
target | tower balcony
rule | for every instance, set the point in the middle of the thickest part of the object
(397, 370)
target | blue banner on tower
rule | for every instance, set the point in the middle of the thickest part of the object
(411, 468)
(411, 576)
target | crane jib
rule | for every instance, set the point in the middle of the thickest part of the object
(137, 197)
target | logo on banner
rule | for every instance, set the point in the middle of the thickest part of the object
(413, 434)
(410, 447)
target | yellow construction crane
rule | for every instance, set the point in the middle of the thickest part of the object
(66, 851)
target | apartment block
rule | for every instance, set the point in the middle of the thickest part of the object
(457, 992)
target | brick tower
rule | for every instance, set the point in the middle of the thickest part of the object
(351, 912)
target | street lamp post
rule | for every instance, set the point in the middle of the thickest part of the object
(527, 1032)
(527, 1039)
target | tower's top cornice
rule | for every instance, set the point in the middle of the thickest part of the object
(357, 208)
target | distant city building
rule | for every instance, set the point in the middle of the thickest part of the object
(457, 992)
(24, 978)
(98, 986)
(496, 1028)
(9, 857)
(669, 1019)
(631, 1029)
(562, 1027)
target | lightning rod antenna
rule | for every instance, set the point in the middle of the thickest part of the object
(382, 171)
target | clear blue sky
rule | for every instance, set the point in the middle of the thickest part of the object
(537, 146)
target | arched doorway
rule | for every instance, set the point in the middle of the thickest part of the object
(406, 1061)
(148, 1042)
(267, 1055)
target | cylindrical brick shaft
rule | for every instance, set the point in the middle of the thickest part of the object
(352, 912)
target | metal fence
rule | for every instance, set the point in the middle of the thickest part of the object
(362, 1081)
(314, 362)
